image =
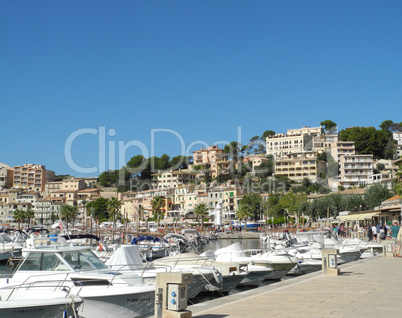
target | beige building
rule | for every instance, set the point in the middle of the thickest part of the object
(214, 157)
(6, 176)
(32, 177)
(342, 148)
(132, 201)
(53, 186)
(172, 179)
(294, 141)
(297, 166)
(73, 184)
(330, 143)
(356, 170)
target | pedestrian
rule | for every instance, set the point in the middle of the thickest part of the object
(398, 242)
(383, 232)
(394, 234)
(369, 233)
(148, 254)
(378, 228)
(374, 230)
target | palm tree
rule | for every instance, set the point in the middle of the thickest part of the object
(201, 210)
(19, 215)
(157, 204)
(29, 214)
(84, 204)
(68, 212)
(114, 207)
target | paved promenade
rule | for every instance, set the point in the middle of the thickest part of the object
(365, 288)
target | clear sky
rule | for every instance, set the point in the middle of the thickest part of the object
(84, 85)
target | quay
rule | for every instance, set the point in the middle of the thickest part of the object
(364, 288)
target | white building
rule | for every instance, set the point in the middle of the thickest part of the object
(295, 140)
(356, 170)
(398, 138)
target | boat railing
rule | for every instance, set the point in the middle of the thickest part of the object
(27, 280)
(52, 284)
(124, 268)
(200, 261)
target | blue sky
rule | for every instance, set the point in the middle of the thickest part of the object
(72, 71)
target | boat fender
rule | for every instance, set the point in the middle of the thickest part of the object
(218, 276)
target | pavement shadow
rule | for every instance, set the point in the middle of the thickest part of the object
(210, 316)
(350, 273)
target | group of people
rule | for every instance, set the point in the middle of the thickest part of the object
(389, 231)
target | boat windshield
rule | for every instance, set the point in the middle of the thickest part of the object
(84, 260)
(5, 239)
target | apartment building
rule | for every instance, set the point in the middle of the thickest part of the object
(32, 177)
(45, 209)
(342, 148)
(397, 136)
(297, 166)
(172, 179)
(6, 176)
(73, 184)
(324, 142)
(330, 143)
(294, 141)
(214, 157)
(356, 170)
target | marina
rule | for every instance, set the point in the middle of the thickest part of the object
(224, 268)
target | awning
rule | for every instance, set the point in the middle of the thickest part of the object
(357, 217)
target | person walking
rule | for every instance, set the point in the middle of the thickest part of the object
(398, 242)
(369, 233)
(383, 232)
(394, 235)
(374, 231)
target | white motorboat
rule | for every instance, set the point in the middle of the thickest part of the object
(127, 258)
(105, 293)
(280, 263)
(234, 253)
(8, 248)
(34, 301)
(231, 273)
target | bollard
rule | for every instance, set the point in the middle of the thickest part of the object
(330, 262)
(171, 295)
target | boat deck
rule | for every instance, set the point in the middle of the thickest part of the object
(362, 287)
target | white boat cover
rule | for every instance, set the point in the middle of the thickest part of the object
(126, 256)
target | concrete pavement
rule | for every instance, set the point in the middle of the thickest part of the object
(363, 289)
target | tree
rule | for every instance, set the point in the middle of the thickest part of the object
(266, 168)
(292, 202)
(201, 210)
(367, 140)
(256, 145)
(398, 181)
(19, 215)
(375, 194)
(68, 213)
(99, 208)
(108, 178)
(233, 150)
(140, 167)
(249, 207)
(329, 126)
(163, 162)
(29, 214)
(180, 162)
(114, 206)
(268, 133)
(272, 207)
(157, 203)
